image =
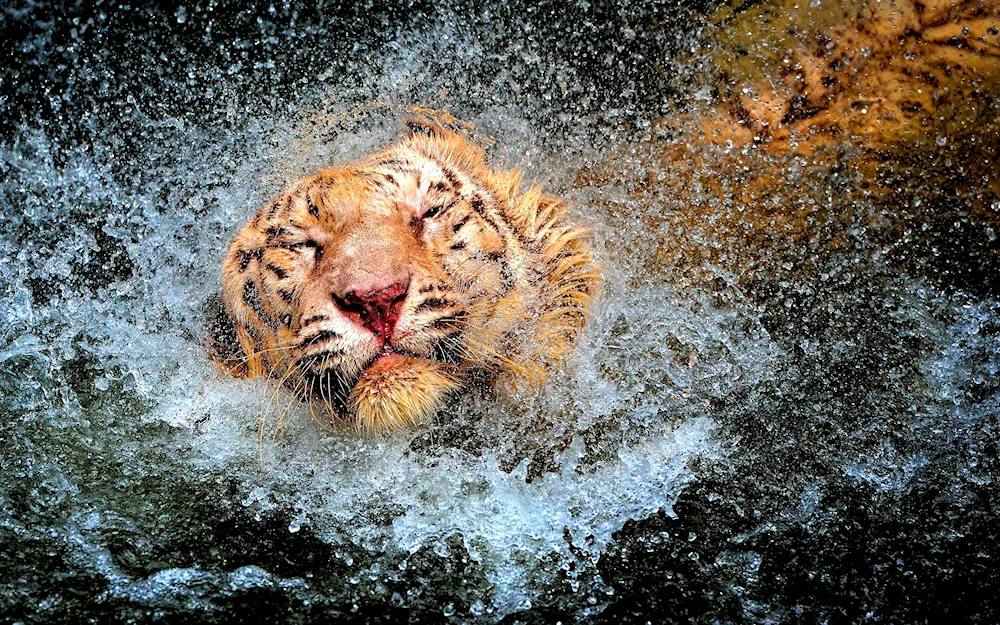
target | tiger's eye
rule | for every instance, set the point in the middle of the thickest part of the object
(310, 244)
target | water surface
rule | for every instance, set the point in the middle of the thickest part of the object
(784, 409)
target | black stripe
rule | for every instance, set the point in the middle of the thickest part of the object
(417, 127)
(449, 351)
(447, 322)
(258, 346)
(325, 335)
(449, 174)
(277, 203)
(278, 271)
(251, 297)
(287, 296)
(432, 303)
(254, 336)
(437, 211)
(507, 276)
(458, 246)
(246, 256)
(479, 206)
(312, 207)
(499, 222)
(461, 222)
(477, 202)
(314, 319)
(402, 171)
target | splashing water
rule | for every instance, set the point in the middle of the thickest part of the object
(764, 417)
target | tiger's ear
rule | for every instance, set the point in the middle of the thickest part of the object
(436, 139)
(424, 127)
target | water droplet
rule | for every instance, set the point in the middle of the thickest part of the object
(441, 549)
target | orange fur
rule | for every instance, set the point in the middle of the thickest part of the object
(496, 280)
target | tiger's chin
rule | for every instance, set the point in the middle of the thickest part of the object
(399, 391)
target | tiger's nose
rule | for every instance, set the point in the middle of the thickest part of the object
(376, 309)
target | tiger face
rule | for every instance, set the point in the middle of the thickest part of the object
(375, 289)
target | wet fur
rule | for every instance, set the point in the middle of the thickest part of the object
(500, 283)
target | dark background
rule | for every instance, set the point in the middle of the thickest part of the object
(783, 531)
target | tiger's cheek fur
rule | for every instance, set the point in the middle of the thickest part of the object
(281, 280)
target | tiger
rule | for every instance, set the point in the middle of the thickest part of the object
(810, 115)
(796, 76)
(379, 289)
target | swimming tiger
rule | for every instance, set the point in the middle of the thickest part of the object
(378, 289)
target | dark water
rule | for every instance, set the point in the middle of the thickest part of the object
(776, 416)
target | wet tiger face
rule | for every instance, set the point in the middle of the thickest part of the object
(374, 289)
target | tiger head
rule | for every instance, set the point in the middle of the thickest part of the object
(376, 289)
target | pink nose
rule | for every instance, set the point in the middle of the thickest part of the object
(376, 309)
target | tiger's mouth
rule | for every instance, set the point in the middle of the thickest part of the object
(393, 389)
